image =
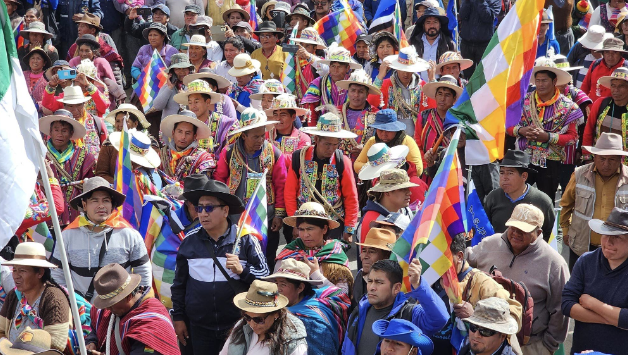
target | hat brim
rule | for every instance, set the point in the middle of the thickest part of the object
(390, 126)
(111, 117)
(586, 43)
(342, 134)
(253, 126)
(422, 341)
(420, 66)
(271, 111)
(117, 197)
(309, 41)
(525, 227)
(292, 221)
(47, 35)
(6, 348)
(80, 42)
(79, 129)
(379, 187)
(102, 304)
(507, 163)
(605, 81)
(30, 262)
(344, 84)
(167, 125)
(396, 153)
(382, 247)
(562, 77)
(430, 88)
(222, 82)
(568, 69)
(240, 301)
(206, 45)
(293, 277)
(599, 227)
(234, 203)
(244, 14)
(147, 30)
(89, 23)
(182, 97)
(246, 71)
(278, 33)
(352, 65)
(598, 151)
(464, 64)
(260, 95)
(82, 100)
(180, 66)
(511, 327)
(150, 160)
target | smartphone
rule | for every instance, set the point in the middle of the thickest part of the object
(218, 33)
(145, 12)
(67, 74)
(174, 78)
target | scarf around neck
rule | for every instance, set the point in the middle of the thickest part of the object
(61, 157)
(115, 221)
(331, 252)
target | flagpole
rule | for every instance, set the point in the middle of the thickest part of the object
(62, 253)
(236, 245)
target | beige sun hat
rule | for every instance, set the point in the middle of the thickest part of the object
(407, 61)
(65, 116)
(269, 87)
(244, 65)
(494, 313)
(141, 151)
(450, 57)
(340, 55)
(30, 254)
(294, 270)
(236, 8)
(329, 125)
(252, 118)
(547, 64)
(607, 144)
(72, 95)
(392, 180)
(446, 81)
(197, 40)
(198, 86)
(205, 73)
(359, 77)
(285, 102)
(620, 73)
(381, 158)
(262, 297)
(311, 210)
(29, 342)
(130, 108)
(526, 217)
(380, 238)
(168, 123)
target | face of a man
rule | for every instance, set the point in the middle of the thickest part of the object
(520, 240)
(338, 71)
(242, 32)
(545, 85)
(431, 27)
(183, 135)
(198, 104)
(445, 99)
(510, 180)
(84, 29)
(60, 134)
(190, 17)
(368, 256)
(210, 220)
(607, 165)
(321, 7)
(326, 146)
(160, 16)
(611, 58)
(357, 96)
(394, 347)
(619, 91)
(485, 345)
(77, 110)
(451, 69)
(380, 291)
(230, 52)
(286, 120)
(268, 40)
(253, 139)
(98, 206)
(362, 49)
(615, 248)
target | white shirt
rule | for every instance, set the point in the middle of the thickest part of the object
(222, 69)
(214, 52)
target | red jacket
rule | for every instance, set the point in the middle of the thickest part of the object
(589, 85)
(50, 102)
(588, 138)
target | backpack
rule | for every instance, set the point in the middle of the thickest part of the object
(340, 163)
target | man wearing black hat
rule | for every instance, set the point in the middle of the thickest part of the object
(271, 56)
(207, 275)
(431, 36)
(362, 55)
(514, 172)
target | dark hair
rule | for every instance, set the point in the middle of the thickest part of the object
(391, 268)
(307, 291)
(194, 128)
(37, 12)
(458, 243)
(276, 336)
(360, 85)
(211, 82)
(88, 195)
(94, 48)
(64, 124)
(453, 92)
(385, 39)
(236, 42)
(47, 279)
(134, 118)
(165, 36)
(321, 223)
(552, 75)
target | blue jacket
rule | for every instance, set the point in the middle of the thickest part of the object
(370, 9)
(477, 18)
(429, 314)
(200, 291)
(68, 30)
(112, 18)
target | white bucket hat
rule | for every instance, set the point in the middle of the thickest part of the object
(252, 118)
(594, 37)
(381, 158)
(141, 151)
(197, 40)
(359, 77)
(73, 95)
(243, 65)
(329, 125)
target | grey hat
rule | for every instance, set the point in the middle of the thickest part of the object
(36, 27)
(98, 184)
(192, 8)
(494, 313)
(201, 21)
(282, 6)
(179, 60)
(88, 38)
(156, 26)
(244, 25)
(616, 223)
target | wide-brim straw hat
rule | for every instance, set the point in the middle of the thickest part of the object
(269, 87)
(607, 144)
(310, 36)
(340, 55)
(30, 254)
(262, 297)
(294, 270)
(453, 58)
(392, 180)
(359, 77)
(36, 27)
(167, 125)
(380, 238)
(206, 74)
(382, 158)
(197, 40)
(73, 95)
(197, 87)
(311, 210)
(615, 224)
(244, 65)
(285, 102)
(546, 64)
(65, 116)
(141, 151)
(252, 118)
(329, 125)
(113, 284)
(42, 53)
(111, 117)
(236, 8)
(407, 61)
(98, 184)
(619, 74)
(446, 81)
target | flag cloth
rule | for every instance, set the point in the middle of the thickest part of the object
(288, 75)
(162, 233)
(254, 220)
(340, 26)
(388, 14)
(20, 140)
(492, 100)
(480, 224)
(40, 233)
(552, 239)
(430, 233)
(124, 181)
(453, 20)
(253, 18)
(19, 40)
(151, 79)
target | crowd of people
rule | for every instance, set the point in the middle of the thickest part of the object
(346, 157)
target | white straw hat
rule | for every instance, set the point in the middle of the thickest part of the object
(141, 151)
(30, 254)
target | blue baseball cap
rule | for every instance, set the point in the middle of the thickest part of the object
(405, 332)
(163, 9)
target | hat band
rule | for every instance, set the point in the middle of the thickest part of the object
(138, 147)
(380, 158)
(562, 65)
(254, 120)
(117, 291)
(27, 256)
(393, 182)
(292, 272)
(404, 59)
(620, 75)
(615, 225)
(251, 302)
(310, 213)
(247, 65)
(328, 127)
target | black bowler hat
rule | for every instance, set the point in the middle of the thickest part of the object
(193, 182)
(517, 159)
(217, 189)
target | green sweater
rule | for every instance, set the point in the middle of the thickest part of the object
(499, 209)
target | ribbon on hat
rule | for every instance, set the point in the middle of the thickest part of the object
(139, 147)
(247, 65)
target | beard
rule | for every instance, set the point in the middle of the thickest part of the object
(433, 32)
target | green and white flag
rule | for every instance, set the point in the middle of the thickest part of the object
(20, 140)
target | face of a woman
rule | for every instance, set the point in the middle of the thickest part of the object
(268, 10)
(197, 53)
(288, 289)
(155, 38)
(26, 279)
(311, 235)
(29, 17)
(624, 27)
(259, 329)
(85, 52)
(36, 39)
(385, 136)
(119, 125)
(36, 62)
(384, 49)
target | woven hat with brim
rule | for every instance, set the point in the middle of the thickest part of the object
(453, 58)
(180, 60)
(407, 61)
(36, 27)
(494, 313)
(329, 125)
(546, 64)
(620, 73)
(168, 123)
(615, 224)
(434, 12)
(197, 40)
(301, 10)
(58, 64)
(563, 64)
(89, 39)
(546, 18)
(98, 184)
(73, 95)
(445, 81)
(285, 102)
(156, 26)
(141, 151)
(41, 52)
(193, 182)
(266, 5)
(113, 284)
(243, 65)
(613, 44)
(340, 55)
(392, 180)
(29, 342)
(380, 158)
(219, 190)
(30, 254)
(517, 159)
(379, 238)
(310, 210)
(262, 297)
(236, 8)
(607, 144)
(65, 116)
(252, 118)
(128, 108)
(594, 37)
(89, 19)
(359, 77)
(197, 87)
(269, 87)
(294, 270)
(310, 36)
(526, 217)
(403, 331)
(205, 73)
(88, 68)
(268, 27)
(386, 120)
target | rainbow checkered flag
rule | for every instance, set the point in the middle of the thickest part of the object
(152, 78)
(124, 181)
(340, 26)
(254, 220)
(288, 74)
(253, 18)
(492, 100)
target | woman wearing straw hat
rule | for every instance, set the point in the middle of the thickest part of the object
(266, 327)
(38, 301)
(322, 308)
(37, 62)
(285, 135)
(326, 257)
(37, 36)
(245, 70)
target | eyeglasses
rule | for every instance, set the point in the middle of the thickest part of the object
(483, 331)
(206, 208)
(256, 320)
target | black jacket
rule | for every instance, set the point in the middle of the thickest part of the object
(477, 18)
(445, 43)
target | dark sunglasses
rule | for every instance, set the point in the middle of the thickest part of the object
(256, 320)
(207, 208)
(483, 331)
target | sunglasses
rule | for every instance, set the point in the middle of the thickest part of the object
(207, 208)
(483, 331)
(256, 320)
